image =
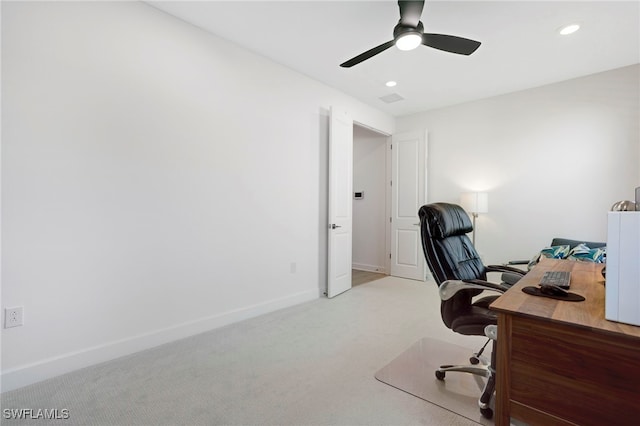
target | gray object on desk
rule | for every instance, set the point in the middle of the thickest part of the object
(511, 279)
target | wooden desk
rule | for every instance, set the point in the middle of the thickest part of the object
(561, 362)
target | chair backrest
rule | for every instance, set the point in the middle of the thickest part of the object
(447, 248)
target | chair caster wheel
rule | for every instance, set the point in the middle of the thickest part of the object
(474, 360)
(487, 413)
(439, 375)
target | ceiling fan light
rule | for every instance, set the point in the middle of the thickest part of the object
(409, 41)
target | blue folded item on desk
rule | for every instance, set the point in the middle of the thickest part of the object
(581, 252)
(553, 252)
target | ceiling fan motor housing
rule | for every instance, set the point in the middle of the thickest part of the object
(400, 30)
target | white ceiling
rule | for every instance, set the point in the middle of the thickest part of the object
(520, 49)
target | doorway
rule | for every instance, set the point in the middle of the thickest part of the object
(363, 277)
(370, 204)
(406, 192)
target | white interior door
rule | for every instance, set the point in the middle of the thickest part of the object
(408, 194)
(340, 203)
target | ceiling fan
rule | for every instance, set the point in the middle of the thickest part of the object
(409, 34)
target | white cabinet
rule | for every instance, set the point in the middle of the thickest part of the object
(622, 301)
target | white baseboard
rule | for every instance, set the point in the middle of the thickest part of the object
(27, 374)
(368, 268)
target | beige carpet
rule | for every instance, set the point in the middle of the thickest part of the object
(414, 372)
(310, 364)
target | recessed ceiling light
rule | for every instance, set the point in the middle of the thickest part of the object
(569, 29)
(390, 83)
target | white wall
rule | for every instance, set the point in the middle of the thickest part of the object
(553, 159)
(157, 182)
(370, 213)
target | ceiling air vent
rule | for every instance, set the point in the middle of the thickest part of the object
(393, 97)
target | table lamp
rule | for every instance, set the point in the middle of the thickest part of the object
(475, 203)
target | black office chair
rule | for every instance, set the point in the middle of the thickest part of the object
(462, 277)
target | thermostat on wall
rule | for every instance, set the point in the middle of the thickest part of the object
(359, 195)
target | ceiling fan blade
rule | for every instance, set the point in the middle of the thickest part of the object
(449, 43)
(410, 12)
(368, 54)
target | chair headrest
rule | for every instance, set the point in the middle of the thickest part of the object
(445, 220)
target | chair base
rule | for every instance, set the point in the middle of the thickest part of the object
(481, 369)
(478, 370)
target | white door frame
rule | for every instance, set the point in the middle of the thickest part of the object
(388, 205)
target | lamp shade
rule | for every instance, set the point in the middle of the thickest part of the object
(475, 202)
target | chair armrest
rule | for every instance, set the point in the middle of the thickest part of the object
(491, 331)
(509, 278)
(505, 268)
(518, 262)
(450, 287)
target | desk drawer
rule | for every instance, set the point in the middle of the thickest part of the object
(574, 373)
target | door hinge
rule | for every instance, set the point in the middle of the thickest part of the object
(390, 183)
(389, 255)
(391, 146)
(390, 220)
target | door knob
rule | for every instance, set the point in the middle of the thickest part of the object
(334, 226)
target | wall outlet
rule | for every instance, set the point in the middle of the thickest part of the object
(13, 317)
